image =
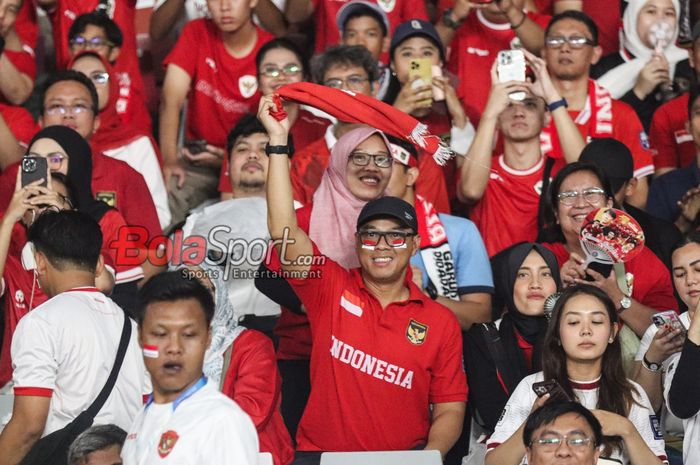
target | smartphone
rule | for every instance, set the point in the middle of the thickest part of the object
(33, 169)
(422, 68)
(551, 387)
(602, 268)
(668, 317)
(511, 67)
(438, 94)
(196, 146)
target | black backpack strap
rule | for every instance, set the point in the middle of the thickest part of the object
(99, 402)
(498, 354)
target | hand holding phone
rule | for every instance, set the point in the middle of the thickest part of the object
(670, 318)
(196, 146)
(420, 74)
(511, 67)
(551, 387)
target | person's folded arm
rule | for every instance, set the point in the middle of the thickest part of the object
(24, 429)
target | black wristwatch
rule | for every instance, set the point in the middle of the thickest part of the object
(277, 150)
(651, 366)
(448, 21)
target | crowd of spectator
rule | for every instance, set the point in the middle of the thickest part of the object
(343, 226)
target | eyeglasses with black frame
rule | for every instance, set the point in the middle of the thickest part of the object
(551, 442)
(354, 83)
(273, 71)
(95, 42)
(394, 239)
(573, 41)
(381, 160)
(592, 196)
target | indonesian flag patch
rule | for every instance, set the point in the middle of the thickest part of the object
(167, 443)
(351, 303)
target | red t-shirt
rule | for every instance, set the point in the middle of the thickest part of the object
(473, 51)
(375, 371)
(306, 129)
(507, 212)
(18, 297)
(254, 383)
(671, 142)
(435, 183)
(26, 24)
(20, 122)
(306, 170)
(615, 119)
(111, 225)
(608, 17)
(223, 88)
(24, 60)
(397, 12)
(652, 281)
(131, 104)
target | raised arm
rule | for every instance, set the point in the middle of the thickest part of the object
(164, 17)
(477, 163)
(14, 84)
(289, 240)
(297, 11)
(572, 142)
(10, 150)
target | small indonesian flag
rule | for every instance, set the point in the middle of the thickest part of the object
(351, 303)
(150, 351)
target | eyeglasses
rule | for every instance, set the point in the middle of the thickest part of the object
(592, 196)
(352, 82)
(362, 159)
(574, 41)
(273, 71)
(99, 78)
(394, 239)
(95, 42)
(551, 443)
(77, 109)
(54, 159)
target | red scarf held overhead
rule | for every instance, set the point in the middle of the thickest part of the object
(598, 111)
(351, 107)
(113, 132)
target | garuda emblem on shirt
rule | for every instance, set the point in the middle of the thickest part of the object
(166, 443)
(416, 332)
(247, 85)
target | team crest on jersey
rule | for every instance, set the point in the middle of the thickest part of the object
(247, 85)
(167, 443)
(387, 5)
(644, 140)
(110, 198)
(19, 298)
(416, 332)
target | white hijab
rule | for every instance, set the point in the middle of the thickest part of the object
(622, 78)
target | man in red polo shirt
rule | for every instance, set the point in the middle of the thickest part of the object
(383, 352)
(669, 136)
(571, 47)
(212, 68)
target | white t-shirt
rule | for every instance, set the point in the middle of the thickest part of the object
(691, 426)
(520, 403)
(206, 428)
(65, 349)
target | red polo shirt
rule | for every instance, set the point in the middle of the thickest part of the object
(374, 371)
(671, 142)
(20, 122)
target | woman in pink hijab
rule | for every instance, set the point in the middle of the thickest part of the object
(358, 171)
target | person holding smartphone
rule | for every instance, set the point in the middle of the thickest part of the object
(581, 353)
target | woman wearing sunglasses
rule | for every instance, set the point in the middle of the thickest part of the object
(581, 353)
(578, 189)
(280, 62)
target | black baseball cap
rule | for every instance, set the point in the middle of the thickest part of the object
(364, 8)
(612, 157)
(412, 28)
(389, 207)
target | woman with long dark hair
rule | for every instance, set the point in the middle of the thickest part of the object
(581, 353)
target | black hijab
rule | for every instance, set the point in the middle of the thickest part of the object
(79, 169)
(505, 266)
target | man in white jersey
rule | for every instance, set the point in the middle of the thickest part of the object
(64, 350)
(186, 420)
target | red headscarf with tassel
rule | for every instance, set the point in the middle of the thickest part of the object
(351, 107)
